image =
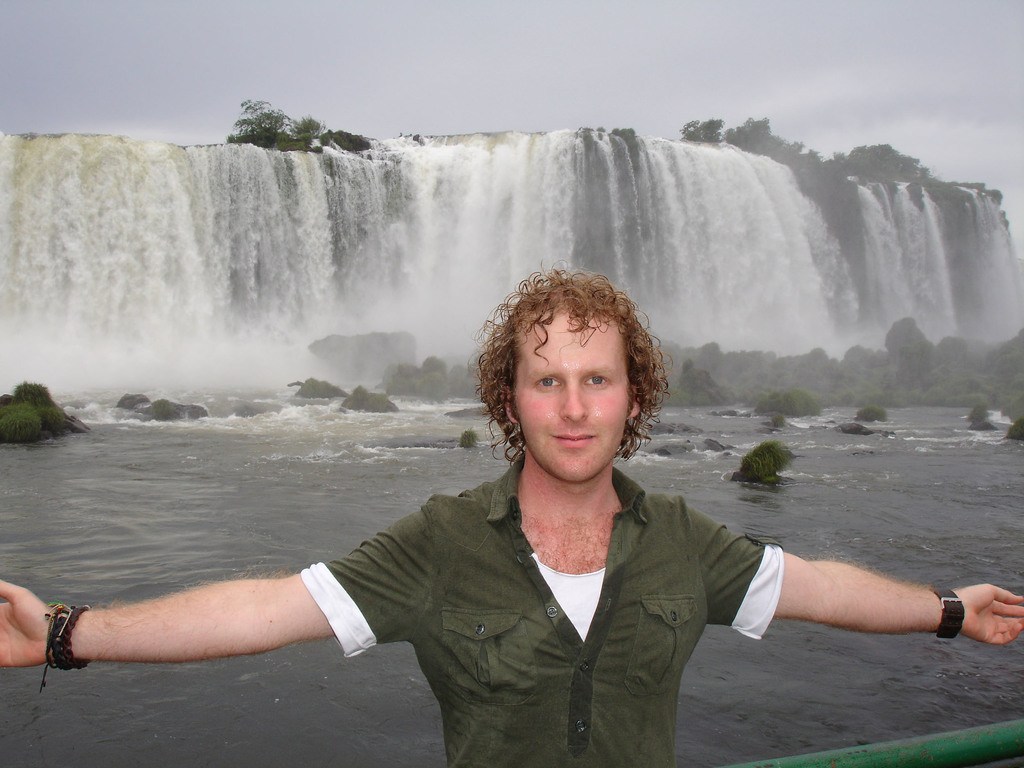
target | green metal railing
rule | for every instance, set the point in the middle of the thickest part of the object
(955, 749)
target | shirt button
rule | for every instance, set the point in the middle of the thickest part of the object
(581, 726)
(585, 665)
(552, 611)
(480, 629)
(675, 616)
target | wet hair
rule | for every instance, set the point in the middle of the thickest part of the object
(590, 300)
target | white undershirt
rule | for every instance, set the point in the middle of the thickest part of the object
(576, 593)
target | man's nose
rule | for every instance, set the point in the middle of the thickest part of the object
(574, 407)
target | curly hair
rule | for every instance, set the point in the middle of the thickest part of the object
(588, 299)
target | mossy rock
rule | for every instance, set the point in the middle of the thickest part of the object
(763, 463)
(164, 410)
(315, 389)
(362, 399)
(30, 414)
(468, 439)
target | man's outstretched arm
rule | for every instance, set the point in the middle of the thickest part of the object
(846, 596)
(230, 618)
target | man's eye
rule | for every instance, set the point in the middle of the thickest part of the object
(547, 382)
(597, 379)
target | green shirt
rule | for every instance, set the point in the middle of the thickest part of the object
(515, 682)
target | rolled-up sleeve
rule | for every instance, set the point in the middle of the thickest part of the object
(350, 626)
(762, 598)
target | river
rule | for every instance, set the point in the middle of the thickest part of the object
(132, 510)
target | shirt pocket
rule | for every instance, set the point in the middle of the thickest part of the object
(664, 642)
(491, 658)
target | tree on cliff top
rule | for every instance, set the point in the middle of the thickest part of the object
(756, 136)
(880, 162)
(706, 132)
(260, 124)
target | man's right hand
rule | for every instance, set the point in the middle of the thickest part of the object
(23, 627)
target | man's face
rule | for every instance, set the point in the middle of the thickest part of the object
(572, 399)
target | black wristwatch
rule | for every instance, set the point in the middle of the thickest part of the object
(952, 614)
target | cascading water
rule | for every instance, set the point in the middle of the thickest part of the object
(954, 273)
(125, 261)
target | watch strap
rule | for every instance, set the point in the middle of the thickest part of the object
(952, 620)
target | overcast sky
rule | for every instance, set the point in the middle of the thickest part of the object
(940, 80)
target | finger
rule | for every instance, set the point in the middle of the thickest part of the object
(1009, 610)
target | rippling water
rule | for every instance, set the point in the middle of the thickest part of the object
(132, 510)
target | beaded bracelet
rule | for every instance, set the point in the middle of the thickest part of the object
(59, 654)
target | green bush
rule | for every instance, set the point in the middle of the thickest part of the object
(53, 419)
(872, 413)
(35, 395)
(20, 423)
(791, 402)
(1016, 431)
(468, 439)
(778, 421)
(978, 413)
(764, 462)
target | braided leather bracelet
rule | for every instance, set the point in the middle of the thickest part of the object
(59, 653)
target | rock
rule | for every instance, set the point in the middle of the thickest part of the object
(314, 389)
(166, 410)
(739, 477)
(423, 442)
(477, 412)
(696, 387)
(714, 445)
(161, 410)
(366, 356)
(132, 402)
(853, 428)
(249, 410)
(983, 426)
(674, 429)
(74, 424)
(674, 448)
(372, 402)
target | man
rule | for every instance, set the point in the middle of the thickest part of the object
(553, 610)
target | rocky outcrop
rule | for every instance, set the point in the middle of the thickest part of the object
(139, 406)
(854, 428)
(315, 389)
(362, 399)
(366, 356)
(30, 415)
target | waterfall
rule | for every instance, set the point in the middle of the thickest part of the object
(128, 260)
(952, 268)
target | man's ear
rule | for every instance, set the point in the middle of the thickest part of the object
(510, 410)
(634, 404)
